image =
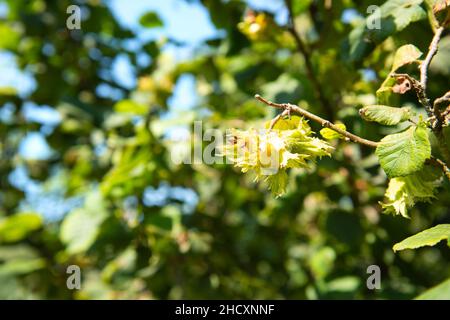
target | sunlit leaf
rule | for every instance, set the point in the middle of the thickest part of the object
(404, 153)
(428, 237)
(405, 55)
(384, 114)
(439, 292)
(129, 106)
(18, 226)
(403, 192)
(81, 226)
(330, 134)
(150, 20)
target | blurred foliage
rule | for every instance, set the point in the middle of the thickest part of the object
(141, 226)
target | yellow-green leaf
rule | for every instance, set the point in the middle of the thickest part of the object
(330, 134)
(150, 20)
(287, 123)
(129, 106)
(81, 226)
(428, 237)
(403, 192)
(404, 153)
(405, 55)
(384, 114)
(439, 292)
(18, 226)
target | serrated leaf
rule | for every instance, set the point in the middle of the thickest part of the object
(150, 20)
(384, 114)
(439, 292)
(404, 153)
(428, 237)
(403, 192)
(405, 55)
(277, 182)
(287, 123)
(330, 134)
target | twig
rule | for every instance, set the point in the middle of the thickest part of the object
(273, 122)
(440, 119)
(288, 108)
(431, 52)
(303, 50)
(445, 99)
(321, 121)
(439, 163)
(418, 89)
(433, 113)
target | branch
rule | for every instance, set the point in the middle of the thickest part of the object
(445, 99)
(424, 73)
(418, 89)
(287, 108)
(431, 53)
(441, 164)
(437, 118)
(309, 67)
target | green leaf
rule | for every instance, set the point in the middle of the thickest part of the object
(21, 266)
(439, 292)
(403, 192)
(428, 237)
(299, 6)
(18, 226)
(384, 114)
(8, 91)
(129, 106)
(278, 182)
(9, 37)
(330, 134)
(151, 20)
(287, 123)
(404, 153)
(395, 16)
(322, 262)
(81, 226)
(384, 93)
(405, 55)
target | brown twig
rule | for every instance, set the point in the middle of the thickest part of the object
(445, 99)
(424, 72)
(431, 53)
(288, 108)
(418, 89)
(439, 163)
(304, 51)
(313, 117)
(273, 122)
